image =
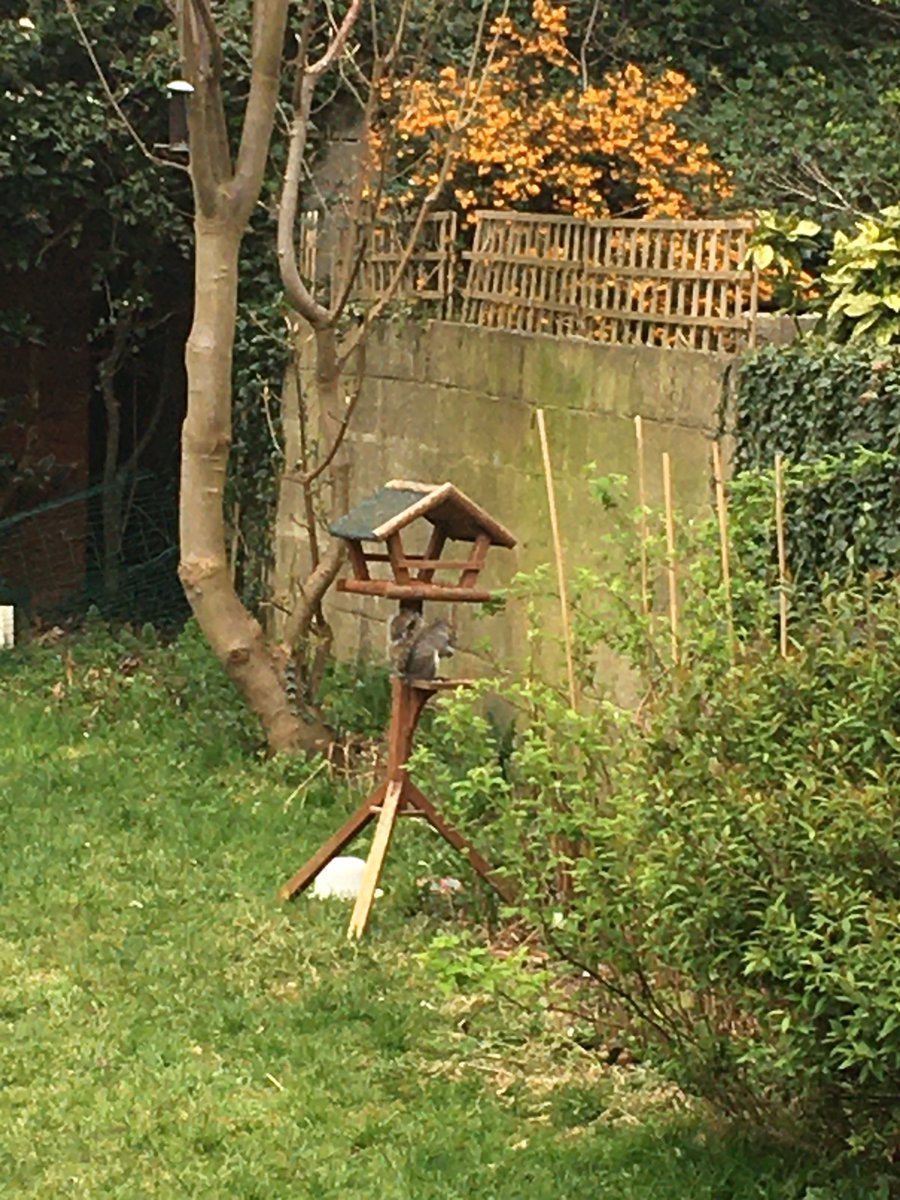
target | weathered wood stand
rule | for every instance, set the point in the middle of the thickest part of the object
(379, 519)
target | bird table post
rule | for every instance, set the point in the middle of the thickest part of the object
(415, 649)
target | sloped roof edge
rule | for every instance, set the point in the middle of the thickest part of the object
(440, 503)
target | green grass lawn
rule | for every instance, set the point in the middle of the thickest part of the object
(168, 1029)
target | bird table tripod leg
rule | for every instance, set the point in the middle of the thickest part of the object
(458, 842)
(375, 861)
(335, 844)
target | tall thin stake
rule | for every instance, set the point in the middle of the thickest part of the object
(557, 548)
(782, 557)
(670, 549)
(722, 510)
(642, 502)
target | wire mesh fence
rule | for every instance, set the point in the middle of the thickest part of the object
(56, 561)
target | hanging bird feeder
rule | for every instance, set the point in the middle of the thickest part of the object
(179, 90)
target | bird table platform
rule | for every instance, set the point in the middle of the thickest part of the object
(380, 519)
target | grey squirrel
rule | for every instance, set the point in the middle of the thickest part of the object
(415, 649)
(402, 632)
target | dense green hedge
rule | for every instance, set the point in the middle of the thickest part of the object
(833, 412)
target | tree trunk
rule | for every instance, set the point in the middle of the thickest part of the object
(234, 635)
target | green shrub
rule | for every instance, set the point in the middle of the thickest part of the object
(356, 699)
(724, 867)
(863, 279)
(782, 247)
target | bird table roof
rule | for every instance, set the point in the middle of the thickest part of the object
(400, 502)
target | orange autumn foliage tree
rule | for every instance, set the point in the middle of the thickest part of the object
(529, 135)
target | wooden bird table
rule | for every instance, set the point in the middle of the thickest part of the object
(384, 519)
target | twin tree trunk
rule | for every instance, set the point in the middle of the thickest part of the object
(234, 635)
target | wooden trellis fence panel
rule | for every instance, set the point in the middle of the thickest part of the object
(679, 284)
(430, 274)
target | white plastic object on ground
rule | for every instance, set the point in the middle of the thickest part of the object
(341, 879)
(7, 626)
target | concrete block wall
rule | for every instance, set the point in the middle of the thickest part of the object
(448, 401)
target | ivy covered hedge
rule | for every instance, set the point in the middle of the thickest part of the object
(833, 412)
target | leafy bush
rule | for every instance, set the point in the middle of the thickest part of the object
(852, 280)
(724, 866)
(356, 699)
(126, 678)
(783, 248)
(864, 277)
(540, 136)
(833, 412)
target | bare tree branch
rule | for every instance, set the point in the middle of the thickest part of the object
(338, 42)
(206, 167)
(344, 424)
(358, 226)
(812, 192)
(360, 333)
(337, 406)
(211, 95)
(813, 171)
(203, 11)
(298, 294)
(300, 620)
(877, 10)
(309, 506)
(585, 44)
